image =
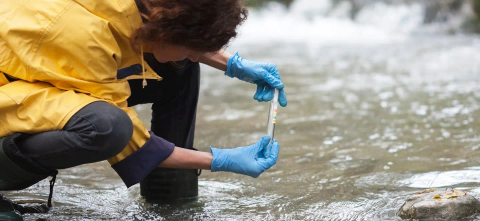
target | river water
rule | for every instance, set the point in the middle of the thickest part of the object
(377, 108)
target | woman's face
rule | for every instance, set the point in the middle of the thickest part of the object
(165, 53)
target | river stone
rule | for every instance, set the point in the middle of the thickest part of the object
(425, 206)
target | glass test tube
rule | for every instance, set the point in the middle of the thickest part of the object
(272, 115)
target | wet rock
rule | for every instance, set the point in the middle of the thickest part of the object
(439, 204)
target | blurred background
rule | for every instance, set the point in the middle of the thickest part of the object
(383, 95)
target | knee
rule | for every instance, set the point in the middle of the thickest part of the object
(121, 134)
(114, 130)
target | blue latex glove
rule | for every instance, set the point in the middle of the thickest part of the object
(264, 75)
(248, 160)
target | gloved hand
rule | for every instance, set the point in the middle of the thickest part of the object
(264, 75)
(248, 160)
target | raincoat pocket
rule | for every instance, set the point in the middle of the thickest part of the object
(17, 91)
(34, 107)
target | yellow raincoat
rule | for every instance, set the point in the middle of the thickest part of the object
(66, 54)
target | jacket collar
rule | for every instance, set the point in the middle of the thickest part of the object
(131, 12)
(134, 18)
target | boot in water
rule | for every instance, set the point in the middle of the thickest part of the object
(165, 185)
(7, 211)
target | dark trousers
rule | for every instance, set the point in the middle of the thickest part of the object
(100, 130)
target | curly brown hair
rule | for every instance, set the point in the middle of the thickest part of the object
(199, 25)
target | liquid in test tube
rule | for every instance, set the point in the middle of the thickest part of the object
(272, 115)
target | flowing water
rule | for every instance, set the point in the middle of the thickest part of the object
(377, 108)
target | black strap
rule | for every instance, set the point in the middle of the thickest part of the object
(198, 172)
(50, 195)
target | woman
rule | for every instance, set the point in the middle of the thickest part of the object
(70, 70)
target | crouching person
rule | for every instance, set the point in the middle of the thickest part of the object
(70, 72)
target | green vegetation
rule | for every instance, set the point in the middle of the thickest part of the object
(259, 3)
(476, 7)
(474, 24)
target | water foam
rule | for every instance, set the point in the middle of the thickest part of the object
(319, 23)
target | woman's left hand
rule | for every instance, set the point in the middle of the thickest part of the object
(264, 75)
(248, 160)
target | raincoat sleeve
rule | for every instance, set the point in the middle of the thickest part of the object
(144, 152)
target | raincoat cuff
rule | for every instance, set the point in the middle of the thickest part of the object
(137, 166)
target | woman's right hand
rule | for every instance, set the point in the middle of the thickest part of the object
(248, 160)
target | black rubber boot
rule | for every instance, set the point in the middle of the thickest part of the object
(170, 185)
(7, 211)
(18, 173)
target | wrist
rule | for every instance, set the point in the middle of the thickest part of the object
(218, 159)
(217, 59)
(208, 161)
(231, 63)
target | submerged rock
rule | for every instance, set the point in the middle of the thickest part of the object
(439, 204)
